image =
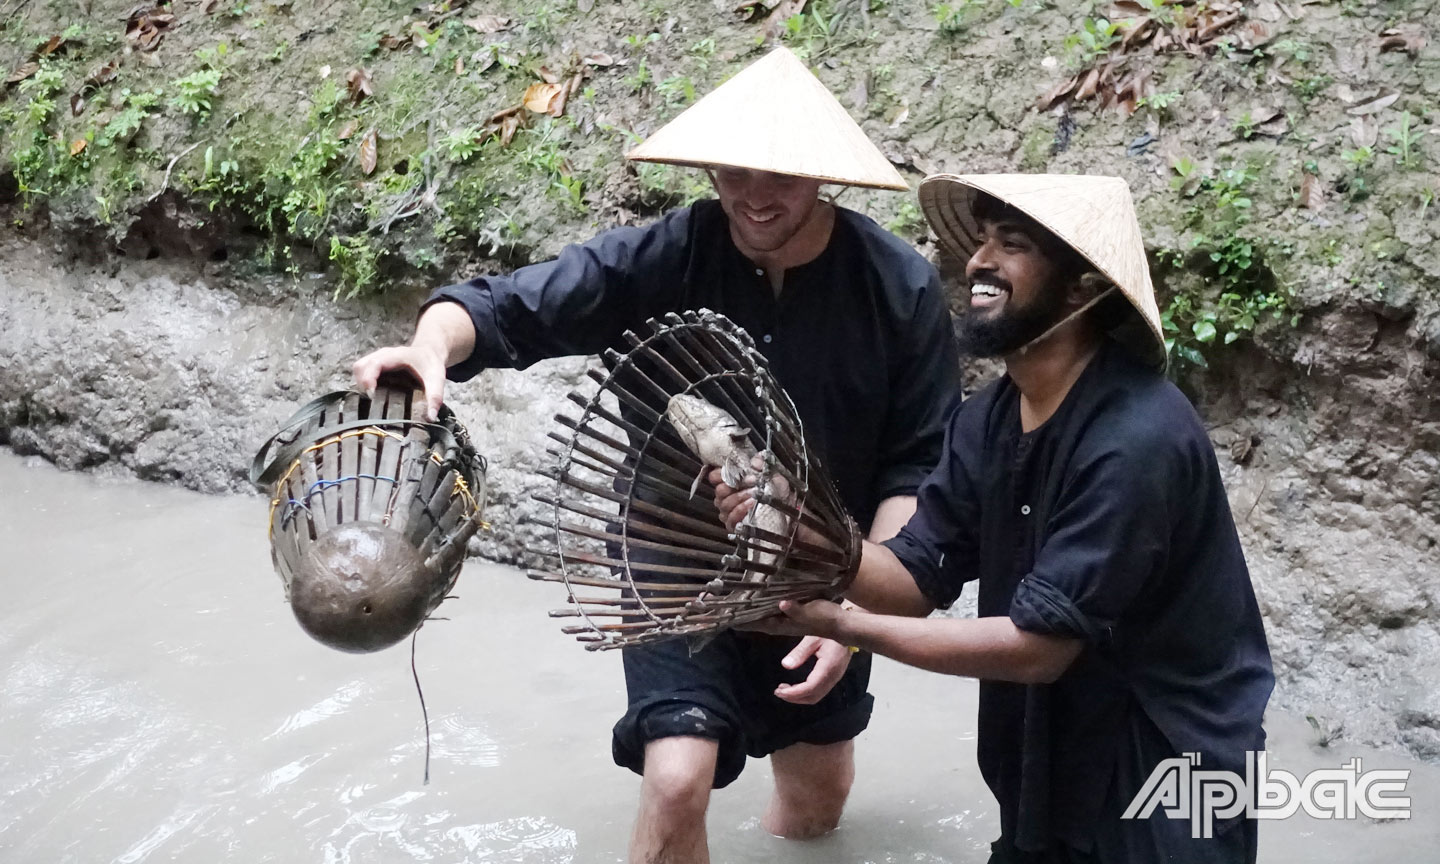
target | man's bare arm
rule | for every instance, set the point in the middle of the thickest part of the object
(444, 336)
(890, 517)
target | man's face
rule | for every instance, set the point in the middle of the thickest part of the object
(1015, 292)
(765, 209)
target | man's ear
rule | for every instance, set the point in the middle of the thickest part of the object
(1087, 287)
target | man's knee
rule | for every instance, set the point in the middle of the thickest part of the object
(678, 775)
(812, 784)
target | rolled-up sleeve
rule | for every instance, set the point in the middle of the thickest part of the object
(940, 543)
(925, 388)
(579, 303)
(1107, 538)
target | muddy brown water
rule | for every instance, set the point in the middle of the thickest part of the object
(161, 704)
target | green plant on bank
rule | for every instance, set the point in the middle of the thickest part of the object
(1404, 149)
(813, 31)
(1238, 294)
(1160, 102)
(1245, 126)
(1094, 39)
(1307, 89)
(677, 90)
(358, 264)
(908, 220)
(1427, 196)
(952, 16)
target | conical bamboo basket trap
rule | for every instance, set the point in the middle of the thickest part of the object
(644, 559)
(371, 509)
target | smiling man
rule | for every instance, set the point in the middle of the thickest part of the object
(1118, 626)
(855, 327)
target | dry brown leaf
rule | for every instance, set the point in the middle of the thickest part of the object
(78, 146)
(390, 42)
(1055, 94)
(1399, 40)
(368, 153)
(23, 71)
(541, 96)
(358, 82)
(485, 58)
(1312, 192)
(1254, 34)
(347, 130)
(1089, 85)
(782, 12)
(488, 23)
(1375, 104)
(104, 74)
(1364, 131)
(549, 76)
(77, 105)
(508, 127)
(599, 58)
(50, 46)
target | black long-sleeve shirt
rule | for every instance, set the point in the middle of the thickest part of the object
(860, 337)
(1107, 524)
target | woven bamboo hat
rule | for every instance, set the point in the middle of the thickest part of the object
(1094, 215)
(775, 116)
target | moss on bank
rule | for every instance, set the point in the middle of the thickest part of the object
(1286, 167)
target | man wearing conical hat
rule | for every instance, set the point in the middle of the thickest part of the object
(856, 329)
(1118, 627)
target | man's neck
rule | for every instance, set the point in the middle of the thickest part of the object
(805, 246)
(1045, 371)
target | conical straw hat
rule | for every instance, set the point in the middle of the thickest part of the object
(773, 116)
(1094, 215)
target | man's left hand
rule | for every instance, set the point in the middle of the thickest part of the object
(831, 661)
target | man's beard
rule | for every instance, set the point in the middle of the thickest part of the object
(1013, 328)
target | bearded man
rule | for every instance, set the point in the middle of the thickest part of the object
(1117, 623)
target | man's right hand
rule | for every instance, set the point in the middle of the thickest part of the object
(425, 364)
(444, 336)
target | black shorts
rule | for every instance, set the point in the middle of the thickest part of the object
(726, 692)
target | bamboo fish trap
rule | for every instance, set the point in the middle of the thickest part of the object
(643, 557)
(371, 509)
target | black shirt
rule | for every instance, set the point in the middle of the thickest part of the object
(860, 337)
(1108, 524)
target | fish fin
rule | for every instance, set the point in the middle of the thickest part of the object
(732, 475)
(698, 477)
(696, 644)
(741, 434)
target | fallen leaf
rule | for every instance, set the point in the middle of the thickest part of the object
(459, 66)
(1376, 104)
(1312, 192)
(77, 146)
(1364, 131)
(540, 96)
(508, 127)
(23, 71)
(548, 75)
(77, 105)
(50, 46)
(488, 23)
(485, 57)
(782, 12)
(1055, 94)
(1254, 34)
(347, 130)
(368, 153)
(210, 6)
(1089, 85)
(599, 58)
(390, 42)
(358, 82)
(902, 115)
(1399, 40)
(104, 74)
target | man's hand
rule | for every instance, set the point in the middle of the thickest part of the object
(444, 336)
(734, 504)
(424, 363)
(831, 661)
